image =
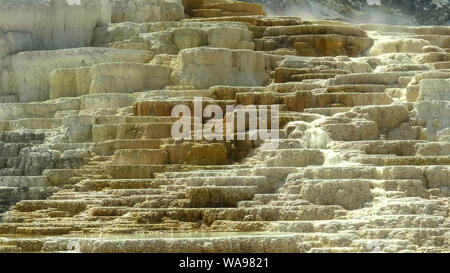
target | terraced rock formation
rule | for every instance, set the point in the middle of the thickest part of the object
(88, 159)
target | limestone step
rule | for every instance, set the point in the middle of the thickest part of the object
(268, 198)
(360, 88)
(99, 111)
(278, 203)
(219, 196)
(405, 221)
(79, 196)
(260, 182)
(436, 175)
(138, 171)
(165, 107)
(389, 160)
(99, 120)
(204, 173)
(209, 215)
(106, 100)
(391, 147)
(292, 157)
(441, 65)
(283, 74)
(422, 236)
(170, 94)
(386, 78)
(253, 243)
(23, 181)
(327, 111)
(274, 174)
(47, 109)
(433, 148)
(140, 157)
(380, 245)
(349, 225)
(62, 147)
(22, 137)
(289, 144)
(410, 187)
(409, 206)
(35, 123)
(302, 100)
(141, 201)
(99, 159)
(309, 76)
(129, 192)
(33, 205)
(99, 184)
(350, 99)
(158, 130)
(109, 147)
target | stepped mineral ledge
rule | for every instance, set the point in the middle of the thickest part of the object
(88, 160)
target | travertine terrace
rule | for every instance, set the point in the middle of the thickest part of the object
(87, 156)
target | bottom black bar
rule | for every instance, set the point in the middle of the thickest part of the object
(221, 262)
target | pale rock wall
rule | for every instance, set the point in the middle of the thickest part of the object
(70, 82)
(206, 67)
(387, 117)
(26, 74)
(434, 89)
(146, 10)
(55, 24)
(96, 101)
(128, 77)
(436, 116)
(13, 42)
(116, 77)
(13, 111)
(433, 105)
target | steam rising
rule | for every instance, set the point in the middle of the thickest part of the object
(356, 11)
